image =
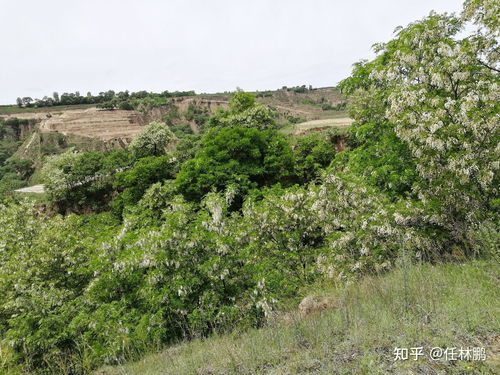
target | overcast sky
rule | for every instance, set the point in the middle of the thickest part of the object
(201, 45)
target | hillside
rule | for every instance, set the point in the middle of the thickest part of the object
(263, 233)
(115, 128)
(454, 305)
(50, 130)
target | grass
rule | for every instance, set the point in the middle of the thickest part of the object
(447, 305)
(332, 114)
(306, 127)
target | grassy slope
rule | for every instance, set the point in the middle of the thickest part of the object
(444, 305)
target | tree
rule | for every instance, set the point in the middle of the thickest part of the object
(243, 112)
(107, 105)
(258, 117)
(133, 183)
(19, 102)
(312, 153)
(152, 141)
(76, 180)
(241, 101)
(437, 94)
(126, 106)
(27, 101)
(242, 157)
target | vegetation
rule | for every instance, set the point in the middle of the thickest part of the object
(133, 183)
(14, 172)
(427, 306)
(152, 141)
(107, 100)
(313, 153)
(244, 112)
(179, 239)
(75, 180)
(244, 158)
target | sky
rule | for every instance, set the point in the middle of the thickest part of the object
(203, 45)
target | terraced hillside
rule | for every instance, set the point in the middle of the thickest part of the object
(311, 111)
(94, 123)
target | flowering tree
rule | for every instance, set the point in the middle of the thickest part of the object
(439, 94)
(152, 141)
(56, 174)
(243, 112)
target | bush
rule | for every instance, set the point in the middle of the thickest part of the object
(182, 130)
(126, 106)
(241, 101)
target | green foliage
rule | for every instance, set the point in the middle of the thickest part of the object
(133, 183)
(79, 180)
(430, 98)
(152, 141)
(182, 130)
(241, 101)
(244, 158)
(286, 246)
(107, 105)
(222, 243)
(312, 153)
(106, 100)
(172, 115)
(243, 112)
(294, 119)
(347, 338)
(187, 148)
(7, 149)
(152, 101)
(380, 156)
(126, 106)
(10, 181)
(258, 117)
(197, 114)
(41, 290)
(22, 167)
(14, 174)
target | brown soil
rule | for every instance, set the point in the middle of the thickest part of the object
(101, 124)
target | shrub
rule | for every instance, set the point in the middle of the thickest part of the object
(83, 180)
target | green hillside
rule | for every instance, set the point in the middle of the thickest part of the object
(266, 232)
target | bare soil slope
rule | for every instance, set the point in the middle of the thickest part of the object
(94, 123)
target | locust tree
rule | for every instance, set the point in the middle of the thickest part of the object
(152, 141)
(439, 93)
